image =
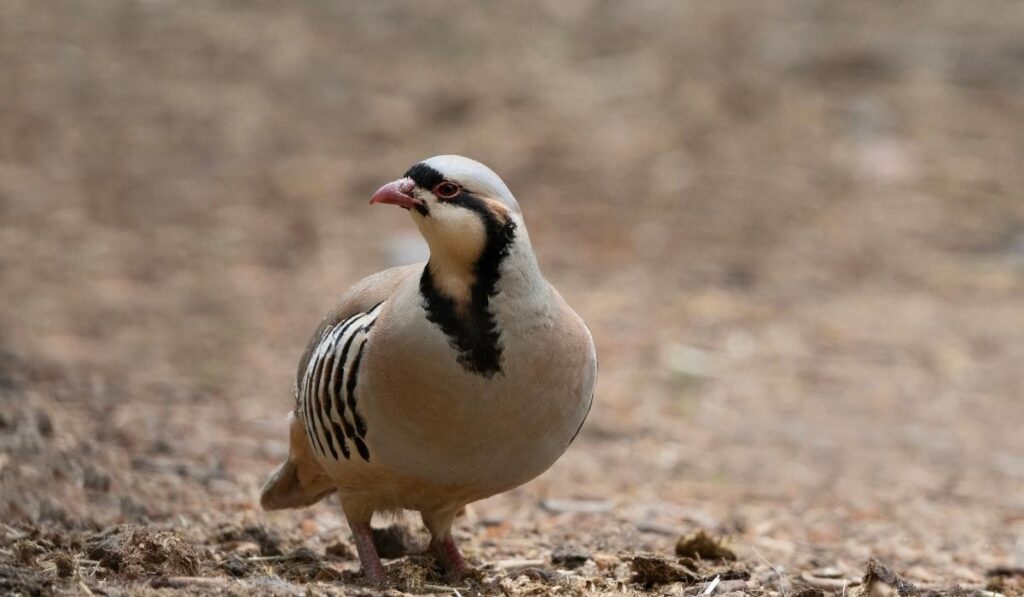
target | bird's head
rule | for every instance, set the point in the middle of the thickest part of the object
(461, 207)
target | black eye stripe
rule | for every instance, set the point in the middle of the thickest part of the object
(428, 178)
(424, 176)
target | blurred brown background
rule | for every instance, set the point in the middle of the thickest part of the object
(796, 230)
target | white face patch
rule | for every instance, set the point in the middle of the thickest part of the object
(456, 237)
(468, 218)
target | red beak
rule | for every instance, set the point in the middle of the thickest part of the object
(398, 193)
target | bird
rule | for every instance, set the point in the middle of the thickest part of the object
(433, 385)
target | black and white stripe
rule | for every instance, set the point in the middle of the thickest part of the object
(327, 395)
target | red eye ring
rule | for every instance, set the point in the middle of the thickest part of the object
(447, 190)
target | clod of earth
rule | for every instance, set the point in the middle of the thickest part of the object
(569, 557)
(134, 551)
(339, 550)
(303, 555)
(237, 567)
(268, 540)
(26, 550)
(651, 569)
(880, 581)
(67, 565)
(410, 574)
(700, 546)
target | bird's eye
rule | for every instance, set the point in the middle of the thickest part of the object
(447, 190)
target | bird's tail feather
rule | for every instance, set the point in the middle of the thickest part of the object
(300, 480)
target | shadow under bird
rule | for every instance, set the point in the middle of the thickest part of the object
(434, 385)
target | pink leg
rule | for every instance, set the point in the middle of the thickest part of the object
(450, 557)
(439, 523)
(368, 558)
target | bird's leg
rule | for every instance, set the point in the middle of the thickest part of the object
(443, 546)
(362, 535)
(450, 557)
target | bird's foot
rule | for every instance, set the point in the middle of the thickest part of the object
(362, 535)
(448, 554)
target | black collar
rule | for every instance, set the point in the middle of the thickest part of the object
(474, 334)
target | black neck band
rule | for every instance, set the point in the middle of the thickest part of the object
(474, 332)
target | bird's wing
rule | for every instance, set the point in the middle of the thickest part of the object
(300, 480)
(368, 292)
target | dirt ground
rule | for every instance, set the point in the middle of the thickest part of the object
(796, 230)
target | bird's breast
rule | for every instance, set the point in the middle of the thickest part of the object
(432, 417)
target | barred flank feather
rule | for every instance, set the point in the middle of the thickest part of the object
(327, 394)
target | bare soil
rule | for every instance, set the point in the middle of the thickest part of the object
(795, 229)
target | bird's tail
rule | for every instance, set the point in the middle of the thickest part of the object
(300, 480)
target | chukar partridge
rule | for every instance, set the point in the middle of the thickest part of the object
(434, 385)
